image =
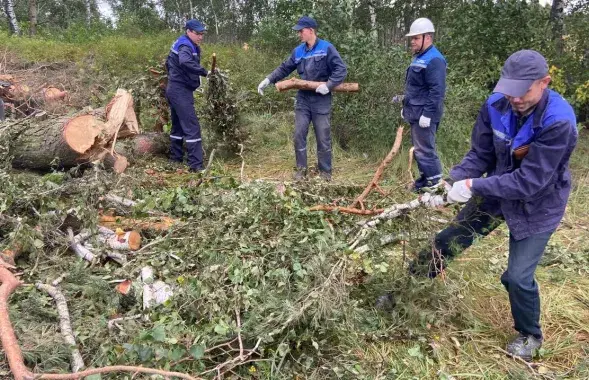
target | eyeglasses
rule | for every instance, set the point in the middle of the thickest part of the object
(198, 33)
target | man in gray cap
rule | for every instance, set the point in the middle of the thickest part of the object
(315, 60)
(522, 140)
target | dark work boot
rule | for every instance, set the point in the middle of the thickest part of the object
(325, 176)
(524, 346)
(300, 174)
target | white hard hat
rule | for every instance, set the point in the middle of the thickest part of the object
(420, 26)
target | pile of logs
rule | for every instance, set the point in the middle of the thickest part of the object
(19, 96)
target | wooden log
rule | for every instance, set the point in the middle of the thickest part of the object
(299, 84)
(151, 223)
(144, 145)
(125, 241)
(115, 162)
(55, 142)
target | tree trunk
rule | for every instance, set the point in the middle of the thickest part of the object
(88, 4)
(55, 142)
(557, 19)
(373, 26)
(11, 16)
(300, 84)
(32, 17)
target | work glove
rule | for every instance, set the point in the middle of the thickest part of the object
(398, 99)
(322, 89)
(432, 200)
(460, 191)
(263, 84)
(424, 122)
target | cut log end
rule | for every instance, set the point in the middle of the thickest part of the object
(80, 132)
(115, 162)
(134, 240)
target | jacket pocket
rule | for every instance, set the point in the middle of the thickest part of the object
(546, 205)
(319, 67)
(301, 67)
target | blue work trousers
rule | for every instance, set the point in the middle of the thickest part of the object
(185, 126)
(316, 108)
(524, 256)
(426, 156)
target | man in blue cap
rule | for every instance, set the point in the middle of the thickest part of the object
(184, 72)
(315, 60)
(522, 140)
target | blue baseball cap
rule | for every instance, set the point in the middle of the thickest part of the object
(520, 70)
(305, 22)
(195, 26)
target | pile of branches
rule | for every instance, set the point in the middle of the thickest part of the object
(222, 111)
(248, 266)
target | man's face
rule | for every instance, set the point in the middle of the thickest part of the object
(529, 100)
(418, 41)
(306, 34)
(195, 37)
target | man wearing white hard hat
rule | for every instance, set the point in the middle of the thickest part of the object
(423, 101)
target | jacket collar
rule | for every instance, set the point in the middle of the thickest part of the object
(307, 48)
(425, 51)
(502, 105)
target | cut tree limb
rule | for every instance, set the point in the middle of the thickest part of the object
(299, 84)
(347, 210)
(7, 335)
(376, 178)
(117, 368)
(152, 223)
(78, 248)
(65, 325)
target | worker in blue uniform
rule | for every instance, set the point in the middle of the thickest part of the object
(423, 101)
(184, 72)
(315, 60)
(517, 171)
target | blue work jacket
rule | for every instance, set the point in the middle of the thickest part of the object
(527, 164)
(183, 64)
(320, 63)
(425, 86)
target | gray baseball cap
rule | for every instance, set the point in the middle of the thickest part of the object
(520, 70)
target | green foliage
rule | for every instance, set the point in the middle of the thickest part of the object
(222, 112)
(478, 36)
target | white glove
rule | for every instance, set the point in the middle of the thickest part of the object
(432, 200)
(263, 84)
(322, 89)
(398, 99)
(424, 121)
(460, 191)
